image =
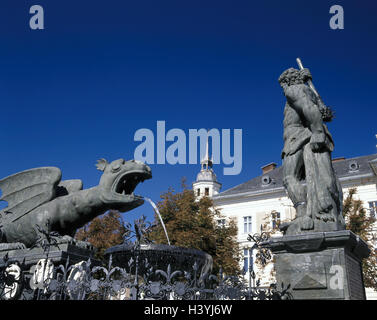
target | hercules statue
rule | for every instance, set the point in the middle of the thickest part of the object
(308, 175)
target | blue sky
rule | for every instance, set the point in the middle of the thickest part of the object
(79, 89)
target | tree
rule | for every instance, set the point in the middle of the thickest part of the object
(103, 232)
(192, 224)
(361, 223)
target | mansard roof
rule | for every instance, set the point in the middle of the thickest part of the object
(344, 169)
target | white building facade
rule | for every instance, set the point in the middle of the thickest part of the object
(263, 201)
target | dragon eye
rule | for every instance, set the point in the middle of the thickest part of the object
(115, 167)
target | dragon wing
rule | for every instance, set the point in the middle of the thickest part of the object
(26, 190)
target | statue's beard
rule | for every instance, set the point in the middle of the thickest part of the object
(295, 81)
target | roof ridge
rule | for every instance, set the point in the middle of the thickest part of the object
(253, 184)
(366, 156)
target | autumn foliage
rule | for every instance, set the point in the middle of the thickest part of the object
(103, 232)
(193, 224)
(361, 223)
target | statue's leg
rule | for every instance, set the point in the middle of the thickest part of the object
(341, 220)
(293, 169)
(322, 185)
(332, 194)
(293, 176)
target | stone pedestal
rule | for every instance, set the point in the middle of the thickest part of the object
(321, 265)
(57, 254)
(29, 268)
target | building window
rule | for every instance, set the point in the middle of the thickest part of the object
(275, 219)
(373, 209)
(247, 224)
(206, 191)
(248, 261)
(198, 192)
(221, 223)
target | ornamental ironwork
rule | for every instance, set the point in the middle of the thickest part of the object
(137, 280)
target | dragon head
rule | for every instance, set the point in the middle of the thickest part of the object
(119, 180)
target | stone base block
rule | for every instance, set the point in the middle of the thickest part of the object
(58, 254)
(322, 265)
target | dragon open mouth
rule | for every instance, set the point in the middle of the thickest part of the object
(128, 182)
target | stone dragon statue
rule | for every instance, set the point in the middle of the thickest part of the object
(40, 203)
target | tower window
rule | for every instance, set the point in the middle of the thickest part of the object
(198, 192)
(206, 191)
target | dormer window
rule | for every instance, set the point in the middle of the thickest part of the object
(266, 180)
(353, 166)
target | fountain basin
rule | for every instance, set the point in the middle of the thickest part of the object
(159, 256)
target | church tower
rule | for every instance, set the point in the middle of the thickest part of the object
(206, 182)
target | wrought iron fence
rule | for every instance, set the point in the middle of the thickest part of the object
(85, 281)
(82, 281)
